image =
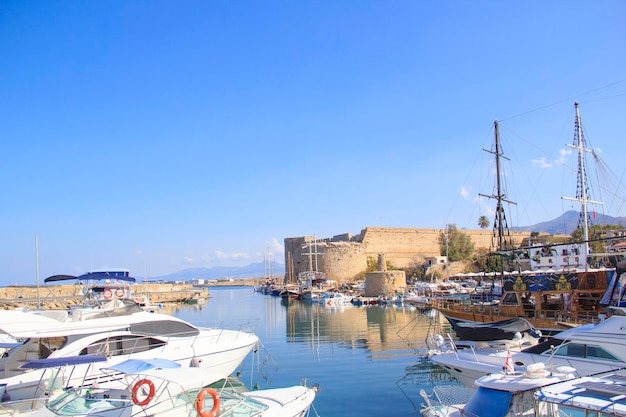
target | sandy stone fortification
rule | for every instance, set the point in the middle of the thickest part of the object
(344, 257)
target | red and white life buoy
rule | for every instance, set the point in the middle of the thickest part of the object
(200, 403)
(107, 293)
(150, 395)
(119, 293)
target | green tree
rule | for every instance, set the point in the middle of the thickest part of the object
(460, 245)
(483, 222)
(372, 264)
(485, 261)
(596, 231)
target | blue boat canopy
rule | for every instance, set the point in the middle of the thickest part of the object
(134, 366)
(487, 402)
(93, 276)
(55, 278)
(63, 361)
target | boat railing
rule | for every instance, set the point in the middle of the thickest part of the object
(17, 407)
(445, 399)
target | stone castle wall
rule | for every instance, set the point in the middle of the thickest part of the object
(344, 257)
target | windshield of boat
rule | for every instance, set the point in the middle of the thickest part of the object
(170, 328)
(88, 400)
(559, 347)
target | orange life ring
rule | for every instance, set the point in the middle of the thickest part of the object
(200, 403)
(136, 387)
(107, 293)
(119, 293)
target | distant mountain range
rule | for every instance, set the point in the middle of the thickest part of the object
(568, 222)
(254, 270)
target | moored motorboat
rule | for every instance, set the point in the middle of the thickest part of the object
(490, 331)
(334, 298)
(171, 391)
(589, 349)
(139, 335)
(51, 382)
(504, 394)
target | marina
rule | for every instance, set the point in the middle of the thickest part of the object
(441, 234)
(363, 358)
(350, 355)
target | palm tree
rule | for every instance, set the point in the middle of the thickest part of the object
(483, 222)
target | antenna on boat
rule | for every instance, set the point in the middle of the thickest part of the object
(582, 190)
(37, 269)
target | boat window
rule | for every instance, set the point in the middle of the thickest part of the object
(169, 328)
(47, 345)
(122, 345)
(509, 298)
(597, 352)
(585, 351)
(544, 347)
(571, 349)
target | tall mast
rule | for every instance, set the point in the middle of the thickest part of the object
(582, 190)
(500, 224)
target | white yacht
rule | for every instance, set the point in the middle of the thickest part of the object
(139, 335)
(167, 391)
(589, 349)
(506, 394)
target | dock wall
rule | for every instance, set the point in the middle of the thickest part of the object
(60, 296)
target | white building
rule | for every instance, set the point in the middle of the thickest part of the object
(557, 257)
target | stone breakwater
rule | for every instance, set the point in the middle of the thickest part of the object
(65, 296)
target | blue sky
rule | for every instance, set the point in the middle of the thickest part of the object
(163, 135)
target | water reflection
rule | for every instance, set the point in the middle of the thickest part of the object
(330, 346)
(419, 375)
(379, 329)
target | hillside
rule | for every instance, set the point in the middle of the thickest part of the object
(567, 223)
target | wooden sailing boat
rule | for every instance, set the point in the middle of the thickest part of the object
(548, 299)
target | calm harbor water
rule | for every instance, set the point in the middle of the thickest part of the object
(366, 360)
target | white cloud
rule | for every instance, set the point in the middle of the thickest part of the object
(485, 208)
(234, 255)
(239, 255)
(189, 260)
(465, 191)
(276, 248)
(563, 154)
(542, 162)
